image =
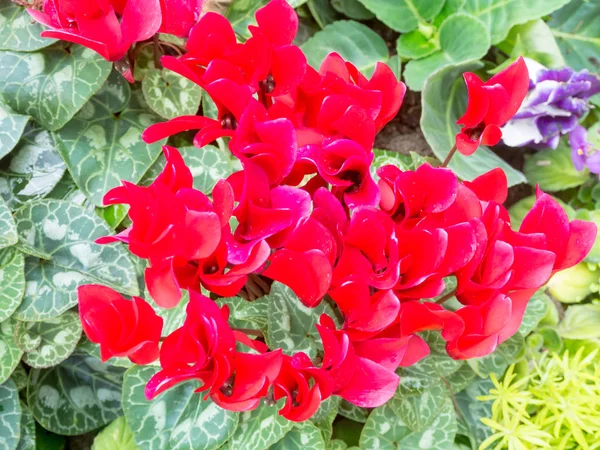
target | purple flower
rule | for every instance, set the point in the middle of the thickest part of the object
(583, 153)
(556, 100)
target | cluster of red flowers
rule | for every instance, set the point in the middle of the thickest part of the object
(310, 215)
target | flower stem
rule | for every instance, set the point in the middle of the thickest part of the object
(156, 43)
(250, 332)
(446, 297)
(334, 307)
(449, 157)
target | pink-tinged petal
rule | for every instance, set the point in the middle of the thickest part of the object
(532, 268)
(371, 386)
(99, 47)
(442, 187)
(178, 16)
(163, 285)
(141, 19)
(180, 67)
(384, 80)
(465, 144)
(472, 347)
(387, 352)
(515, 80)
(461, 248)
(499, 259)
(308, 274)
(582, 236)
(492, 134)
(492, 186)
(211, 37)
(202, 231)
(41, 17)
(478, 104)
(334, 63)
(498, 99)
(163, 130)
(278, 22)
(519, 301)
(416, 350)
(548, 217)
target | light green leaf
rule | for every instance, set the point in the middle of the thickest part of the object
(497, 362)
(208, 165)
(353, 412)
(384, 430)
(353, 9)
(12, 285)
(27, 436)
(50, 342)
(415, 45)
(499, 16)
(536, 311)
(10, 416)
(303, 436)
(19, 31)
(77, 396)
(178, 419)
(260, 428)
(581, 322)
(241, 14)
(291, 324)
(33, 168)
(553, 170)
(444, 101)
(385, 157)
(450, 7)
(8, 229)
(12, 126)
(323, 13)
(245, 314)
(102, 144)
(354, 41)
(577, 30)
(594, 216)
(535, 40)
(10, 354)
(418, 408)
(473, 410)
(66, 232)
(116, 436)
(404, 15)
(461, 38)
(170, 95)
(51, 86)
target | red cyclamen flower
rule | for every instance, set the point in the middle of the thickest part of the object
(491, 105)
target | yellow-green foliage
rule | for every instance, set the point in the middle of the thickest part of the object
(556, 406)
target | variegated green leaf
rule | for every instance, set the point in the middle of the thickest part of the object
(102, 144)
(245, 314)
(27, 436)
(8, 229)
(33, 168)
(384, 430)
(459, 380)
(497, 362)
(260, 429)
(79, 395)
(12, 126)
(325, 415)
(10, 416)
(19, 31)
(536, 310)
(170, 95)
(179, 419)
(473, 410)
(241, 14)
(291, 324)
(51, 86)
(208, 165)
(303, 436)
(116, 436)
(66, 232)
(50, 342)
(353, 412)
(12, 281)
(418, 407)
(20, 377)
(10, 354)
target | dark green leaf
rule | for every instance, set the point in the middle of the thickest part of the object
(19, 31)
(497, 362)
(259, 429)
(303, 436)
(170, 95)
(323, 13)
(10, 354)
(353, 9)
(241, 14)
(12, 126)
(27, 436)
(10, 416)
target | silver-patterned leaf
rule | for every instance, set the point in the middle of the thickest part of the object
(93, 349)
(459, 380)
(245, 314)
(170, 95)
(66, 232)
(8, 229)
(49, 342)
(497, 362)
(27, 436)
(473, 410)
(384, 430)
(179, 419)
(10, 354)
(102, 144)
(325, 415)
(291, 324)
(51, 86)
(208, 165)
(10, 416)
(12, 281)
(19, 31)
(353, 412)
(79, 395)
(303, 436)
(20, 377)
(418, 408)
(536, 311)
(12, 126)
(260, 429)
(33, 168)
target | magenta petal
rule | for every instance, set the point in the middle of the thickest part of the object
(371, 386)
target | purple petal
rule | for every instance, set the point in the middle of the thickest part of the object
(578, 142)
(593, 162)
(561, 75)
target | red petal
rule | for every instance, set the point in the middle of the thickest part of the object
(278, 22)
(491, 186)
(478, 102)
(515, 80)
(371, 386)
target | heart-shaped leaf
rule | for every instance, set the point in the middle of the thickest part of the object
(79, 395)
(8, 229)
(52, 85)
(27, 438)
(304, 436)
(66, 232)
(12, 288)
(10, 354)
(12, 126)
(117, 435)
(10, 416)
(260, 428)
(353, 9)
(178, 419)
(418, 408)
(102, 144)
(19, 31)
(170, 95)
(553, 170)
